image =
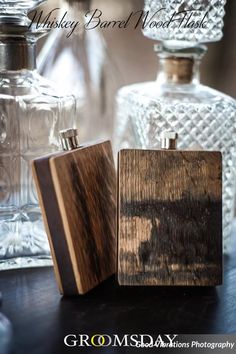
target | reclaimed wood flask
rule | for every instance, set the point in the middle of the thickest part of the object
(77, 195)
(169, 216)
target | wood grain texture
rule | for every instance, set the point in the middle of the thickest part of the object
(85, 185)
(170, 218)
(54, 226)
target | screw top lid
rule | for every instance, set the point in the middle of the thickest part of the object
(69, 139)
(169, 140)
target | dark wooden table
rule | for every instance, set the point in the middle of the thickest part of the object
(41, 318)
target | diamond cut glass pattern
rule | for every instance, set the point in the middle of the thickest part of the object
(212, 11)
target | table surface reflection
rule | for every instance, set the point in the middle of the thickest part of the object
(41, 317)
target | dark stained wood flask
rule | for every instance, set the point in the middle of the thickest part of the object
(77, 195)
(169, 216)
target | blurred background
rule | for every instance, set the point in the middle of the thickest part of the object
(133, 54)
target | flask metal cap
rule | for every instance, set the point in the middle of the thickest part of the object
(69, 139)
(169, 140)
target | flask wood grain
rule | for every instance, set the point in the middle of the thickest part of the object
(169, 218)
(77, 194)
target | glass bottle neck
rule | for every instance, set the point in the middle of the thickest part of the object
(16, 55)
(177, 70)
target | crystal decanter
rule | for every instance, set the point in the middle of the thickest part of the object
(177, 101)
(31, 114)
(78, 61)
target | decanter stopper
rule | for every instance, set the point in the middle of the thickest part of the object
(184, 23)
(18, 37)
(16, 11)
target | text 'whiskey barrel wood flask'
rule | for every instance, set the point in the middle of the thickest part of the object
(77, 194)
(169, 216)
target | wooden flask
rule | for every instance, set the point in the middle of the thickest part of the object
(169, 216)
(77, 195)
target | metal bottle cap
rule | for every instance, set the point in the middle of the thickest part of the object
(69, 139)
(169, 140)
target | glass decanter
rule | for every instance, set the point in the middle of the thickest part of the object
(31, 114)
(80, 62)
(178, 101)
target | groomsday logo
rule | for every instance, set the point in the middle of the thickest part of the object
(126, 340)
